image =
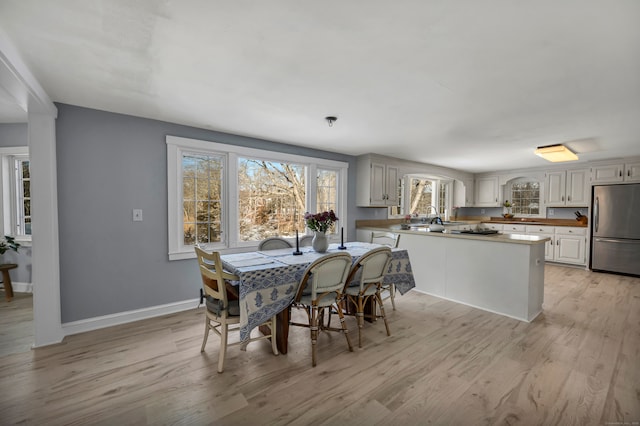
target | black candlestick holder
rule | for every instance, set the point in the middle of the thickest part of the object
(342, 246)
(297, 252)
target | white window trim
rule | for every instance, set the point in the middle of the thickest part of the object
(176, 146)
(439, 181)
(509, 191)
(8, 192)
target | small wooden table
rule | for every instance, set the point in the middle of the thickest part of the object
(6, 279)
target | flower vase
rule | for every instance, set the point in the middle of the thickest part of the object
(320, 243)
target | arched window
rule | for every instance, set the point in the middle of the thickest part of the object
(524, 195)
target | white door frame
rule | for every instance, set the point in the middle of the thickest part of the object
(18, 83)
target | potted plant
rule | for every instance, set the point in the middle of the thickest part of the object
(507, 205)
(8, 243)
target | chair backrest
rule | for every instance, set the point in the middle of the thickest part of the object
(213, 275)
(371, 267)
(274, 243)
(387, 238)
(326, 275)
(305, 240)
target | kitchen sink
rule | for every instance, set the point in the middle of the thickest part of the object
(425, 225)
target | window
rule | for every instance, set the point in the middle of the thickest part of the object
(525, 197)
(327, 193)
(231, 197)
(270, 195)
(16, 192)
(22, 179)
(420, 195)
(444, 189)
(202, 198)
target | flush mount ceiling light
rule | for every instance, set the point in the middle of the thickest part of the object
(556, 153)
(331, 119)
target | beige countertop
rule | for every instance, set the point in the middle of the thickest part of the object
(496, 238)
(537, 221)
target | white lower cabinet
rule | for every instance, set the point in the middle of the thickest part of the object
(493, 226)
(571, 245)
(511, 228)
(567, 244)
(465, 227)
(546, 232)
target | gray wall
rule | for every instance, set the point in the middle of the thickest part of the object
(15, 134)
(109, 164)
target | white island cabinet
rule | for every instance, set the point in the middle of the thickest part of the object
(503, 274)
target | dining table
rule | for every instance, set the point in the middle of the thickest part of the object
(269, 279)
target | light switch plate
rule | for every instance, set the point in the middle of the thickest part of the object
(137, 215)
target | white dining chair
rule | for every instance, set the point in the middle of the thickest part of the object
(392, 240)
(274, 243)
(220, 311)
(365, 281)
(321, 287)
(305, 240)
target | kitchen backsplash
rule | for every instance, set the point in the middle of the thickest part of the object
(552, 212)
(565, 212)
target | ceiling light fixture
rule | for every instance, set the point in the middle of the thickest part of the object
(556, 153)
(331, 120)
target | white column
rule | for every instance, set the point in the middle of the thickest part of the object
(45, 253)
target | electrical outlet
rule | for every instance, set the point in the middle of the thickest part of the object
(551, 212)
(137, 215)
(481, 211)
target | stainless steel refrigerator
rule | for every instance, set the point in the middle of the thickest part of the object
(615, 233)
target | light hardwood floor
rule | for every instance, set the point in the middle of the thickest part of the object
(445, 363)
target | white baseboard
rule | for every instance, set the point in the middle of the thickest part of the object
(96, 323)
(21, 287)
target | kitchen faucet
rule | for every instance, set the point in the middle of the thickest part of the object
(425, 219)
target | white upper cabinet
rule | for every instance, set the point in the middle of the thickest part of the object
(608, 173)
(614, 173)
(377, 183)
(486, 192)
(463, 193)
(632, 172)
(567, 188)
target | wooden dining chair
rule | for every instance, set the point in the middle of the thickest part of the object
(321, 287)
(220, 311)
(365, 281)
(274, 243)
(391, 240)
(305, 240)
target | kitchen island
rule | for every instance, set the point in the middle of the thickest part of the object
(500, 273)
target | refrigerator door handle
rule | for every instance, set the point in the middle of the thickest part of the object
(596, 214)
(615, 240)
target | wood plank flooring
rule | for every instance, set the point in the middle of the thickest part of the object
(577, 364)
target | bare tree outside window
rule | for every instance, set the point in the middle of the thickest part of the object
(271, 198)
(327, 197)
(421, 196)
(202, 198)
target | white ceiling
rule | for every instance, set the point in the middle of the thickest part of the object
(475, 85)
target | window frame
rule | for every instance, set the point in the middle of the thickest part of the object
(9, 192)
(509, 195)
(176, 146)
(405, 198)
